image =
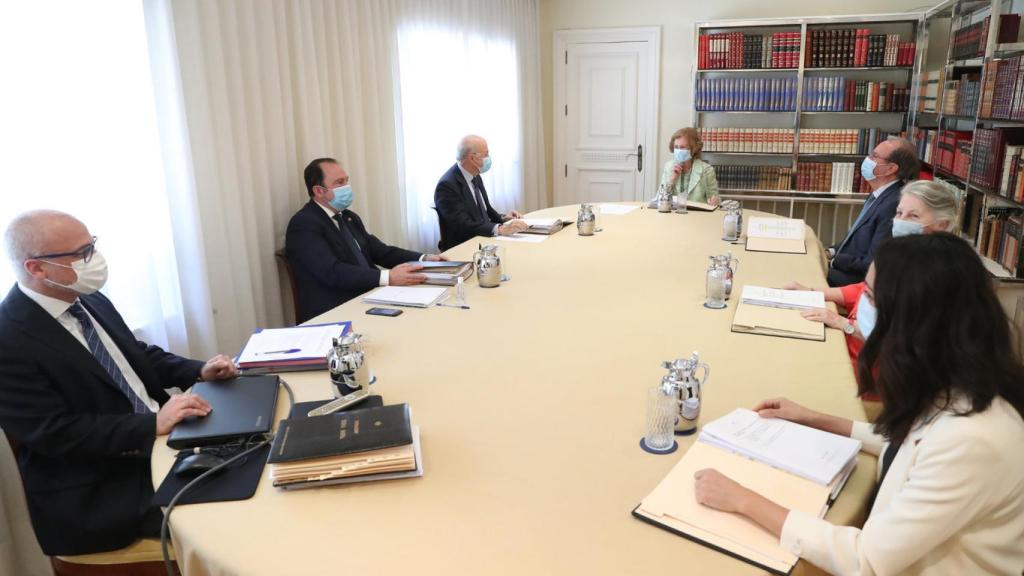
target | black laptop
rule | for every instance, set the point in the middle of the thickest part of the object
(242, 407)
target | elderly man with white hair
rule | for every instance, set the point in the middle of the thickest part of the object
(83, 399)
(461, 200)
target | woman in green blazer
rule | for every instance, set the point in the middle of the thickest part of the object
(686, 171)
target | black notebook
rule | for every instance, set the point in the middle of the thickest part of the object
(342, 433)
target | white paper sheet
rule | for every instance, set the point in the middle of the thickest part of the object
(277, 343)
(617, 209)
(519, 237)
(419, 296)
(779, 228)
(777, 298)
(543, 222)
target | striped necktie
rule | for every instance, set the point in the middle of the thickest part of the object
(99, 351)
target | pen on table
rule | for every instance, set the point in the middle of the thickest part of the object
(463, 306)
(288, 351)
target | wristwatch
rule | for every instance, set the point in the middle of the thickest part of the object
(849, 329)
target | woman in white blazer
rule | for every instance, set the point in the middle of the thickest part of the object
(950, 435)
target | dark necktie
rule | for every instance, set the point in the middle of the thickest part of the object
(350, 240)
(478, 185)
(102, 355)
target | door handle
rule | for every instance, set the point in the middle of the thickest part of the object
(639, 157)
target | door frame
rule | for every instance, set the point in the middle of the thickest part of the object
(563, 38)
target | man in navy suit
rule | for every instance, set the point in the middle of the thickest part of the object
(461, 200)
(890, 165)
(82, 398)
(333, 257)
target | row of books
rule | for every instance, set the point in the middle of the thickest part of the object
(999, 237)
(837, 94)
(780, 140)
(735, 50)
(734, 177)
(838, 177)
(987, 154)
(947, 150)
(962, 95)
(847, 47)
(1004, 90)
(969, 41)
(928, 84)
(1011, 183)
(746, 94)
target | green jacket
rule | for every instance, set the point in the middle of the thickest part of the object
(701, 186)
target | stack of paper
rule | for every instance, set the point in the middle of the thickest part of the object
(784, 235)
(544, 225)
(776, 298)
(415, 296)
(289, 349)
(445, 273)
(734, 448)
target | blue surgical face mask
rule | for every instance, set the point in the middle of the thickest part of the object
(681, 155)
(867, 169)
(342, 197)
(486, 165)
(906, 228)
(866, 315)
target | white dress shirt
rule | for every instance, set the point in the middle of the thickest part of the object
(59, 310)
(952, 503)
(469, 180)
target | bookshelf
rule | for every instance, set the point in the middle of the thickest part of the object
(835, 85)
(969, 126)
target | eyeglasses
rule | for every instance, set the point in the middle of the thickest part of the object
(85, 252)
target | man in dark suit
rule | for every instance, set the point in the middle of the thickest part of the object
(82, 398)
(333, 257)
(890, 165)
(461, 200)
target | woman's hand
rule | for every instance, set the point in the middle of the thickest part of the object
(795, 286)
(785, 409)
(713, 201)
(826, 317)
(716, 490)
(677, 169)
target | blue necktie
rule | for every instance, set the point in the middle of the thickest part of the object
(478, 183)
(350, 240)
(92, 340)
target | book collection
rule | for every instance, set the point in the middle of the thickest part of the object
(948, 151)
(858, 141)
(736, 50)
(987, 154)
(848, 47)
(999, 237)
(746, 94)
(1011, 183)
(928, 84)
(839, 94)
(962, 95)
(969, 41)
(1004, 96)
(735, 177)
(835, 177)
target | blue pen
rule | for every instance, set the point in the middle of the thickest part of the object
(288, 351)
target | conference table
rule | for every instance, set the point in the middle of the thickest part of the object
(530, 406)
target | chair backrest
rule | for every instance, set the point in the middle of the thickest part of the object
(19, 550)
(282, 259)
(442, 245)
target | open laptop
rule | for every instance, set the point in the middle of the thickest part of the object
(242, 407)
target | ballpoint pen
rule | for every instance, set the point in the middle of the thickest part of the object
(463, 306)
(288, 351)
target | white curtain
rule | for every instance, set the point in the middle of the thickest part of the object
(80, 134)
(270, 84)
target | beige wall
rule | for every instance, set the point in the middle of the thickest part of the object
(676, 19)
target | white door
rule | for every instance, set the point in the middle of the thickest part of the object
(606, 115)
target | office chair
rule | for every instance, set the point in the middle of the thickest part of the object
(25, 558)
(282, 260)
(442, 245)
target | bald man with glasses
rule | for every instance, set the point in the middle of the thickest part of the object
(82, 398)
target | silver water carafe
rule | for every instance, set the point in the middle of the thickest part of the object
(347, 364)
(725, 262)
(488, 266)
(682, 381)
(586, 220)
(664, 200)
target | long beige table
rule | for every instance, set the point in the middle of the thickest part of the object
(531, 406)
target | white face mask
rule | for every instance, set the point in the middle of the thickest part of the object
(92, 275)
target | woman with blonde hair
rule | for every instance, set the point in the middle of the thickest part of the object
(685, 174)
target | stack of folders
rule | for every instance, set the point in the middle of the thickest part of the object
(690, 205)
(271, 350)
(544, 226)
(356, 446)
(785, 235)
(445, 273)
(415, 296)
(797, 467)
(775, 312)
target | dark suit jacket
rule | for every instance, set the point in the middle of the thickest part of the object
(83, 454)
(855, 253)
(326, 271)
(458, 211)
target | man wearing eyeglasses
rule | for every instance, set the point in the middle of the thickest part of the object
(80, 396)
(460, 199)
(890, 165)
